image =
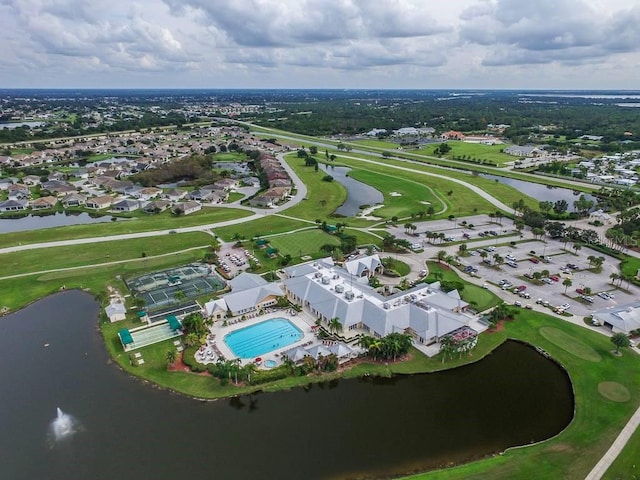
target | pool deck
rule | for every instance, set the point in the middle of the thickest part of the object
(217, 346)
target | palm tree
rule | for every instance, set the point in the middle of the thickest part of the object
(441, 255)
(577, 247)
(614, 276)
(620, 340)
(567, 283)
(171, 356)
(335, 325)
(497, 259)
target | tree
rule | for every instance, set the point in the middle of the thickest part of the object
(431, 210)
(620, 340)
(560, 206)
(171, 356)
(442, 254)
(567, 283)
(577, 247)
(335, 325)
(313, 150)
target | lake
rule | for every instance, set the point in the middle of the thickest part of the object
(369, 427)
(358, 193)
(58, 219)
(542, 192)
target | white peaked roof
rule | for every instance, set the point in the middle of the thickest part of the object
(296, 354)
(360, 265)
(246, 299)
(340, 349)
(214, 306)
(318, 350)
(245, 281)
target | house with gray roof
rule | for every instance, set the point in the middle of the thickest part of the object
(253, 299)
(623, 318)
(523, 150)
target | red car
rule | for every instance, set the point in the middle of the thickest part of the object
(580, 291)
(534, 260)
(555, 278)
(521, 288)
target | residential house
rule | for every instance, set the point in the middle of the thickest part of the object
(18, 190)
(262, 201)
(43, 203)
(73, 200)
(156, 206)
(98, 203)
(126, 205)
(186, 208)
(226, 184)
(13, 205)
(175, 194)
(31, 180)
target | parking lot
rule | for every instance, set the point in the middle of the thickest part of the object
(553, 291)
(233, 261)
(455, 230)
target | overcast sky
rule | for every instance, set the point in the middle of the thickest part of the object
(555, 44)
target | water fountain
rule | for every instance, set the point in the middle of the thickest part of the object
(63, 425)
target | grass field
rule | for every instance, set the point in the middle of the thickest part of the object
(626, 466)
(480, 298)
(491, 153)
(229, 157)
(375, 144)
(267, 225)
(142, 223)
(307, 242)
(323, 198)
(87, 254)
(413, 193)
(17, 292)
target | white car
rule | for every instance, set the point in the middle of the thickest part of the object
(565, 306)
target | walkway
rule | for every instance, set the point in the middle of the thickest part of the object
(605, 462)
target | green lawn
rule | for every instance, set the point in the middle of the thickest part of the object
(412, 194)
(459, 149)
(229, 157)
(140, 223)
(234, 197)
(94, 253)
(17, 292)
(307, 242)
(267, 225)
(323, 198)
(626, 466)
(480, 298)
(375, 144)
(630, 266)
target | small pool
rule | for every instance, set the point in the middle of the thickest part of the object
(270, 363)
(263, 337)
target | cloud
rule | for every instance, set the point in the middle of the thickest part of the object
(546, 31)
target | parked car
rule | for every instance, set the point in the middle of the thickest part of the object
(580, 291)
(493, 232)
(555, 278)
(512, 264)
(466, 235)
(528, 275)
(525, 295)
(481, 234)
(539, 301)
(604, 295)
(547, 280)
(565, 306)
(572, 266)
(517, 303)
(587, 299)
(534, 260)
(521, 288)
(510, 258)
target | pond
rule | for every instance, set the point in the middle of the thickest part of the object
(54, 357)
(358, 193)
(543, 192)
(58, 219)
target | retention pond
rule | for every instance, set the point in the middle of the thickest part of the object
(370, 427)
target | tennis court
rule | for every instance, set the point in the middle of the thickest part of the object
(144, 336)
(174, 286)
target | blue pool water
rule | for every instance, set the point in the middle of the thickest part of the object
(263, 337)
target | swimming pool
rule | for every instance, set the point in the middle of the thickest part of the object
(263, 337)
